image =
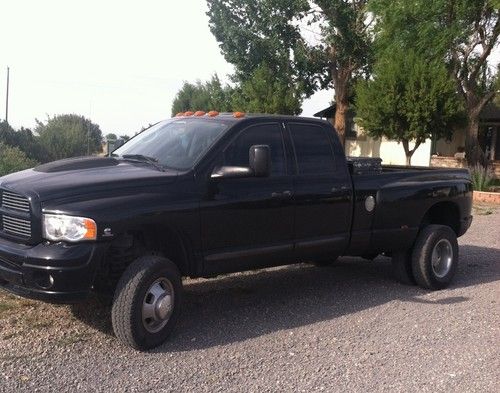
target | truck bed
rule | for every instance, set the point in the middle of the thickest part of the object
(403, 196)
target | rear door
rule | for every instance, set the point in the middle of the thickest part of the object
(322, 192)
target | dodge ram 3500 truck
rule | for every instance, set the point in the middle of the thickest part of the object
(200, 195)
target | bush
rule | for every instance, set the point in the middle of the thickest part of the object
(482, 177)
(13, 159)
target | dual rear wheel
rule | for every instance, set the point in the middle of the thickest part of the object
(433, 260)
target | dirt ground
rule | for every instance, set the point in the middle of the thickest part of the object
(349, 327)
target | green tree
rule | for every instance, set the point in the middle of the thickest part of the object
(12, 159)
(22, 139)
(200, 96)
(111, 137)
(263, 93)
(461, 33)
(306, 44)
(408, 99)
(64, 136)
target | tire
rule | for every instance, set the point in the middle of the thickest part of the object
(142, 314)
(402, 267)
(435, 257)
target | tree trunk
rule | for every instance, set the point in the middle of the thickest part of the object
(408, 152)
(473, 152)
(341, 111)
(341, 77)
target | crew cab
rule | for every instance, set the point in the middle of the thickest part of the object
(201, 195)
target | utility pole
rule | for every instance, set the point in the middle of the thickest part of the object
(7, 98)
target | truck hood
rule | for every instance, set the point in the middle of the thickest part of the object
(77, 176)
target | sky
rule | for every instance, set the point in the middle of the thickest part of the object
(119, 63)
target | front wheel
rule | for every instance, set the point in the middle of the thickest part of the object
(147, 302)
(435, 257)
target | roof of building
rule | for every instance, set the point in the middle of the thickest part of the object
(491, 112)
(327, 112)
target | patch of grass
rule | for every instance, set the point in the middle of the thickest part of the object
(9, 336)
(72, 339)
(482, 177)
(483, 210)
(13, 357)
(5, 307)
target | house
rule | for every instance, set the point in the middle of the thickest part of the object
(447, 153)
(359, 144)
(441, 153)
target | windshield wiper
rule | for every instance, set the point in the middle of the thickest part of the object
(142, 158)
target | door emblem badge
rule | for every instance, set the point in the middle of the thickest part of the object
(107, 232)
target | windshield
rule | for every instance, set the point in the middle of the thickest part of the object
(176, 144)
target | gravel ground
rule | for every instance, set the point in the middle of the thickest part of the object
(344, 328)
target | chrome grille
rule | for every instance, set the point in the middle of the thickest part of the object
(16, 226)
(14, 201)
(15, 214)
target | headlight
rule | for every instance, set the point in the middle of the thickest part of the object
(58, 227)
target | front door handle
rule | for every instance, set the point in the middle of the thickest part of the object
(281, 195)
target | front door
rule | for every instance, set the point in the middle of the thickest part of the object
(248, 222)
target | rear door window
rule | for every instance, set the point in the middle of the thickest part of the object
(313, 149)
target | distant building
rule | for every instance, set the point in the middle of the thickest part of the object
(359, 144)
(443, 152)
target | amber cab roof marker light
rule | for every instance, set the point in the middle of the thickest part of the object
(239, 115)
(180, 114)
(213, 113)
(188, 113)
(199, 113)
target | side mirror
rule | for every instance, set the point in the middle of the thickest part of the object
(260, 160)
(231, 172)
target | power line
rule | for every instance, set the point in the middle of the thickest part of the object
(7, 98)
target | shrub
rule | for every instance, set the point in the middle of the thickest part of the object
(13, 159)
(482, 177)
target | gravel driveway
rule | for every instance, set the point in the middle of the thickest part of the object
(301, 328)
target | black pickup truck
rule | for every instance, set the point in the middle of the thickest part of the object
(205, 194)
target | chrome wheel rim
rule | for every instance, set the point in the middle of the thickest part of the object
(158, 305)
(442, 258)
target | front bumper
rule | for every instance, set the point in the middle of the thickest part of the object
(52, 272)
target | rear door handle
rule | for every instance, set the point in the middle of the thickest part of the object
(341, 188)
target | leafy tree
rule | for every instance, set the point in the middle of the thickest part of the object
(408, 99)
(111, 137)
(12, 159)
(220, 97)
(306, 44)
(22, 139)
(124, 137)
(263, 93)
(461, 33)
(206, 96)
(65, 136)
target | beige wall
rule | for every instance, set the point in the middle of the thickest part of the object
(391, 152)
(449, 148)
